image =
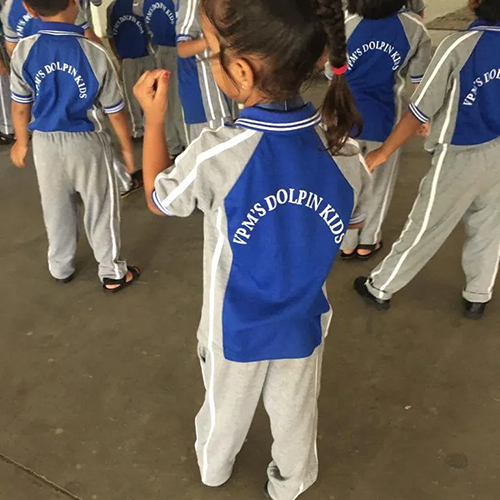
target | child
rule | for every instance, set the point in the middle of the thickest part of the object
(460, 94)
(276, 205)
(66, 79)
(160, 21)
(6, 128)
(18, 24)
(129, 40)
(385, 44)
(203, 103)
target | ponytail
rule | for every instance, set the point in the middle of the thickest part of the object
(340, 116)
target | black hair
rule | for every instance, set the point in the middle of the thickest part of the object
(489, 10)
(48, 7)
(289, 37)
(375, 9)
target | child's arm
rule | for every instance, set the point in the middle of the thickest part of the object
(10, 46)
(21, 116)
(191, 48)
(111, 100)
(152, 93)
(405, 129)
(119, 122)
(190, 40)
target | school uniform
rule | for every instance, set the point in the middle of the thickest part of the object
(271, 237)
(6, 127)
(203, 103)
(69, 81)
(381, 54)
(18, 24)
(460, 93)
(128, 32)
(160, 21)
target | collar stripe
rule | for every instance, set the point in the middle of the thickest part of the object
(279, 127)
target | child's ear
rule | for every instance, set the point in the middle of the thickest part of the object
(243, 74)
(30, 11)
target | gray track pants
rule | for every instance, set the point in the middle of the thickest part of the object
(6, 126)
(384, 180)
(290, 390)
(175, 128)
(462, 184)
(132, 70)
(74, 167)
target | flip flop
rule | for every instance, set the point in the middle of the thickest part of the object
(122, 283)
(348, 256)
(375, 249)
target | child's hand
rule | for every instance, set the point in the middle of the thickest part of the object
(18, 154)
(375, 158)
(424, 130)
(152, 93)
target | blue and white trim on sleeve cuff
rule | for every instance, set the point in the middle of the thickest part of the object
(22, 99)
(421, 117)
(85, 26)
(417, 79)
(358, 220)
(110, 110)
(11, 39)
(184, 38)
(158, 204)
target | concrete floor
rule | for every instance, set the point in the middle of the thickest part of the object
(98, 393)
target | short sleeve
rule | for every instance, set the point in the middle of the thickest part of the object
(205, 172)
(188, 25)
(21, 92)
(9, 32)
(422, 58)
(110, 95)
(436, 84)
(82, 18)
(183, 188)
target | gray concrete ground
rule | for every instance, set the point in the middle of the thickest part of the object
(98, 393)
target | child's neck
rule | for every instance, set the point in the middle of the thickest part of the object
(62, 17)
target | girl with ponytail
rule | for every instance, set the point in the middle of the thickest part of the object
(386, 43)
(278, 189)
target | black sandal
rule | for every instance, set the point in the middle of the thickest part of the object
(348, 256)
(7, 139)
(137, 183)
(122, 283)
(375, 249)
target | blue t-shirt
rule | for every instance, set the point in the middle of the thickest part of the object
(128, 30)
(277, 206)
(460, 91)
(160, 21)
(20, 24)
(380, 54)
(68, 80)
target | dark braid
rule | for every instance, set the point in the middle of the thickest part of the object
(340, 115)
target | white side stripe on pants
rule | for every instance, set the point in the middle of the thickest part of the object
(432, 197)
(113, 194)
(211, 328)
